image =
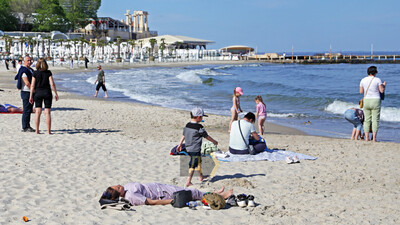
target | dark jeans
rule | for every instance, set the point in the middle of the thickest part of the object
(258, 147)
(27, 110)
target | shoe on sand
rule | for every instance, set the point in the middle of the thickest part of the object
(289, 160)
(242, 200)
(250, 201)
(231, 200)
(296, 159)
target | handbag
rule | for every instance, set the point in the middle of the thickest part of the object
(361, 102)
(180, 198)
(249, 147)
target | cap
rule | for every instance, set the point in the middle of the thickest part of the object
(198, 112)
(239, 90)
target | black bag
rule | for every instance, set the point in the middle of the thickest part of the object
(181, 198)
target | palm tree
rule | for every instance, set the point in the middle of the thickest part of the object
(162, 46)
(82, 40)
(22, 41)
(75, 42)
(119, 49)
(7, 42)
(49, 45)
(93, 47)
(153, 42)
(30, 43)
(101, 43)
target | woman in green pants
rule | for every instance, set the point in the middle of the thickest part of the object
(371, 86)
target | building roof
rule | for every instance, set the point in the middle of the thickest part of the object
(172, 39)
(238, 47)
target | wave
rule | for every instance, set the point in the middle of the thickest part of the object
(190, 77)
(240, 65)
(285, 115)
(390, 114)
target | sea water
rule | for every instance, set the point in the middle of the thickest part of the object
(311, 98)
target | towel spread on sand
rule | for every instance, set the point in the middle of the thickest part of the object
(268, 154)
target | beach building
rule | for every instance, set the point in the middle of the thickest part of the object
(236, 52)
(177, 42)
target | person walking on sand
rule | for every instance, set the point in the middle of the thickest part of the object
(24, 79)
(41, 80)
(101, 82)
(261, 113)
(235, 110)
(193, 134)
(86, 62)
(371, 86)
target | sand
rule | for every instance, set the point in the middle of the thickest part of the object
(58, 179)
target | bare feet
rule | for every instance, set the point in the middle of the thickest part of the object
(188, 184)
(220, 190)
(95, 96)
(226, 194)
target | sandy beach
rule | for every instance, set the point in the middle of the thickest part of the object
(59, 178)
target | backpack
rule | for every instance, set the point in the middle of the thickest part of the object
(182, 152)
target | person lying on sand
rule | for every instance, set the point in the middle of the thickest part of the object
(10, 108)
(7, 108)
(153, 193)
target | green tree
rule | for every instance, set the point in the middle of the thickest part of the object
(50, 16)
(153, 42)
(24, 8)
(7, 20)
(162, 46)
(78, 11)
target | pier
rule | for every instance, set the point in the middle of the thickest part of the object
(328, 59)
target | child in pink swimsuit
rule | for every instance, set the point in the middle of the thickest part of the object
(261, 113)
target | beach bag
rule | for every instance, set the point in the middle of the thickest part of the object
(214, 200)
(180, 198)
(182, 152)
(207, 148)
(361, 103)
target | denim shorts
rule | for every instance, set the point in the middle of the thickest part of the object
(350, 115)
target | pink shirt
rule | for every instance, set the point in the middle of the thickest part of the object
(261, 109)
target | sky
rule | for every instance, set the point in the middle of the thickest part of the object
(273, 25)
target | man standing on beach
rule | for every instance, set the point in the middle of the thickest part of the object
(101, 79)
(24, 77)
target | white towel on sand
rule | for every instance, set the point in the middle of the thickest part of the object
(268, 154)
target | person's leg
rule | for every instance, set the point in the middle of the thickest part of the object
(376, 113)
(105, 91)
(27, 110)
(97, 90)
(234, 116)
(37, 118)
(47, 113)
(367, 118)
(353, 134)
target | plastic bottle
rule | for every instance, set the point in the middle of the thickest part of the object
(192, 204)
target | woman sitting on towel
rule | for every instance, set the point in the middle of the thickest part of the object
(152, 193)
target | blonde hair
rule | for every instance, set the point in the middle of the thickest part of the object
(41, 65)
(259, 98)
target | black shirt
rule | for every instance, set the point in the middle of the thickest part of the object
(42, 80)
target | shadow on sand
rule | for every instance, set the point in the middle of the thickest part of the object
(66, 109)
(86, 131)
(236, 175)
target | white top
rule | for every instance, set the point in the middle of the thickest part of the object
(235, 138)
(373, 90)
(24, 87)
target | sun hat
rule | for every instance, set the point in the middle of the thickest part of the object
(239, 90)
(198, 112)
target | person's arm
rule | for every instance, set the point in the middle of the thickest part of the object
(179, 148)
(104, 79)
(255, 136)
(257, 111)
(158, 202)
(361, 90)
(382, 87)
(26, 81)
(234, 102)
(238, 105)
(53, 86)
(212, 140)
(32, 87)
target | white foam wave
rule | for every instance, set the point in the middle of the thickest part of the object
(285, 115)
(240, 65)
(190, 77)
(211, 72)
(390, 114)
